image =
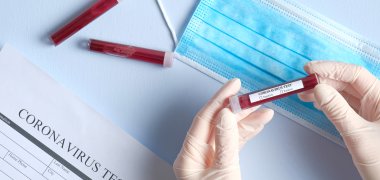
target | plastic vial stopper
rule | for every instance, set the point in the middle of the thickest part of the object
(96, 10)
(133, 52)
(245, 101)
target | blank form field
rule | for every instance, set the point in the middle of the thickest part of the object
(3, 151)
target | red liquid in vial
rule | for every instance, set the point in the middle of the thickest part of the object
(147, 55)
(255, 98)
(82, 20)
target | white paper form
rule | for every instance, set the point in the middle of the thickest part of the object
(47, 133)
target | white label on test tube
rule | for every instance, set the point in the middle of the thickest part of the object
(275, 91)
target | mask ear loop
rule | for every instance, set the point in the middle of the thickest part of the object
(168, 22)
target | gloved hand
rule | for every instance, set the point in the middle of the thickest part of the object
(211, 148)
(350, 97)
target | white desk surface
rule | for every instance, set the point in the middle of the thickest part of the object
(156, 105)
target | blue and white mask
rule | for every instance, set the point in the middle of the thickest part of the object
(267, 42)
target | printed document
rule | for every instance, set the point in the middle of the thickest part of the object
(48, 133)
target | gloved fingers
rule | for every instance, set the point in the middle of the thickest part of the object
(316, 105)
(239, 116)
(352, 100)
(352, 91)
(203, 122)
(307, 96)
(246, 112)
(253, 124)
(193, 155)
(226, 140)
(340, 86)
(336, 84)
(337, 109)
(370, 104)
(360, 78)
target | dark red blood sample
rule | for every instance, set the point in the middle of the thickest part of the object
(262, 96)
(133, 52)
(82, 20)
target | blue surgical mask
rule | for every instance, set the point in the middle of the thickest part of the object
(267, 42)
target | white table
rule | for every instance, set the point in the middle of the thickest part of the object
(156, 105)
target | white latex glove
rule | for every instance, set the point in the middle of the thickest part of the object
(211, 148)
(350, 97)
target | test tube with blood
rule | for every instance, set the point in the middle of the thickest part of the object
(245, 101)
(148, 55)
(96, 10)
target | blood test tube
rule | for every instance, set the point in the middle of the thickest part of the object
(96, 10)
(245, 101)
(138, 53)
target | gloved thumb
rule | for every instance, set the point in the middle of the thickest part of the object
(337, 109)
(226, 140)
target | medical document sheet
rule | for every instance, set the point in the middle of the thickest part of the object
(47, 133)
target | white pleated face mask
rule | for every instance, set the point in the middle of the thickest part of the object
(267, 42)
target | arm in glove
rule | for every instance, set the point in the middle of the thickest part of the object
(211, 148)
(349, 95)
